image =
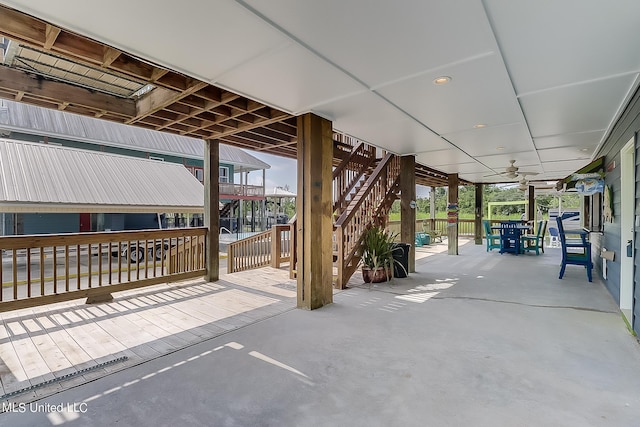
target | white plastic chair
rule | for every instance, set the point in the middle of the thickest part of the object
(554, 238)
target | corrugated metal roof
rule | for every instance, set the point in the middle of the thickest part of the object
(21, 117)
(46, 178)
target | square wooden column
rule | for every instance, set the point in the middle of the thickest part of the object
(211, 208)
(407, 207)
(478, 214)
(531, 208)
(314, 226)
(452, 214)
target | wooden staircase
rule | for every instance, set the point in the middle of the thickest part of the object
(364, 188)
(228, 208)
(368, 202)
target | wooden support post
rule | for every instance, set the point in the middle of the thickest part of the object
(531, 211)
(452, 215)
(432, 206)
(276, 246)
(478, 215)
(407, 207)
(211, 208)
(314, 227)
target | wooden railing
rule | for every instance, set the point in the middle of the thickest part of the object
(43, 269)
(370, 205)
(230, 189)
(349, 173)
(269, 248)
(466, 227)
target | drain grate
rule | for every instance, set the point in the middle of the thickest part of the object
(63, 377)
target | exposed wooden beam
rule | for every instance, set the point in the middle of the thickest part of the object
(109, 55)
(21, 27)
(271, 147)
(19, 96)
(18, 81)
(160, 98)
(50, 35)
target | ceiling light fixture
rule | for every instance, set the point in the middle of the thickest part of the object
(500, 147)
(480, 126)
(442, 80)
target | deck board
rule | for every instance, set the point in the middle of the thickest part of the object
(60, 339)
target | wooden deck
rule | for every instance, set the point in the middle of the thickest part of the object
(74, 342)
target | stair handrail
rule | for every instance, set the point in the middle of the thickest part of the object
(366, 208)
(349, 172)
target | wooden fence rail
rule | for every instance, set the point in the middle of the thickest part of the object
(271, 247)
(43, 269)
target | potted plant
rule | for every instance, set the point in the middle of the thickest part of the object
(378, 248)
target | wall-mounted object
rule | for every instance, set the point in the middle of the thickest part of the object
(608, 255)
(607, 205)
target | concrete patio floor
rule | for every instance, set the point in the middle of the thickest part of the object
(478, 339)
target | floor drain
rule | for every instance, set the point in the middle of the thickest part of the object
(63, 377)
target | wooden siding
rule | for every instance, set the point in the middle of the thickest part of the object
(626, 127)
(636, 254)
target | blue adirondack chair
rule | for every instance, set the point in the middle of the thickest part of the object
(575, 251)
(509, 237)
(493, 240)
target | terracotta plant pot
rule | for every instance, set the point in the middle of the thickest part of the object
(375, 276)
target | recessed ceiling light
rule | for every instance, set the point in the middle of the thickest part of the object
(500, 147)
(584, 149)
(480, 126)
(442, 80)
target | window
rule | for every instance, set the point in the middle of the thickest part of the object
(224, 174)
(199, 173)
(593, 212)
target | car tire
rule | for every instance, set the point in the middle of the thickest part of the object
(136, 255)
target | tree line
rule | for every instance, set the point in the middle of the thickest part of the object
(491, 193)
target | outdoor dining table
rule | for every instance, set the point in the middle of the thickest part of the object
(520, 228)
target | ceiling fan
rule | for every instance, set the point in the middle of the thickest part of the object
(523, 183)
(512, 171)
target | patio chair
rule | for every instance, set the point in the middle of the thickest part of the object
(554, 239)
(534, 243)
(493, 240)
(574, 251)
(509, 238)
(436, 235)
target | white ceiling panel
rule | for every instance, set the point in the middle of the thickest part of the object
(512, 138)
(444, 157)
(566, 166)
(588, 140)
(371, 119)
(575, 108)
(549, 43)
(553, 154)
(479, 93)
(372, 40)
(291, 79)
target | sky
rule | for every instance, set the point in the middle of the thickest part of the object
(283, 172)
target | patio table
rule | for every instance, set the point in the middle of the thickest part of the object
(520, 229)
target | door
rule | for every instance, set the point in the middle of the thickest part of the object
(627, 204)
(85, 222)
